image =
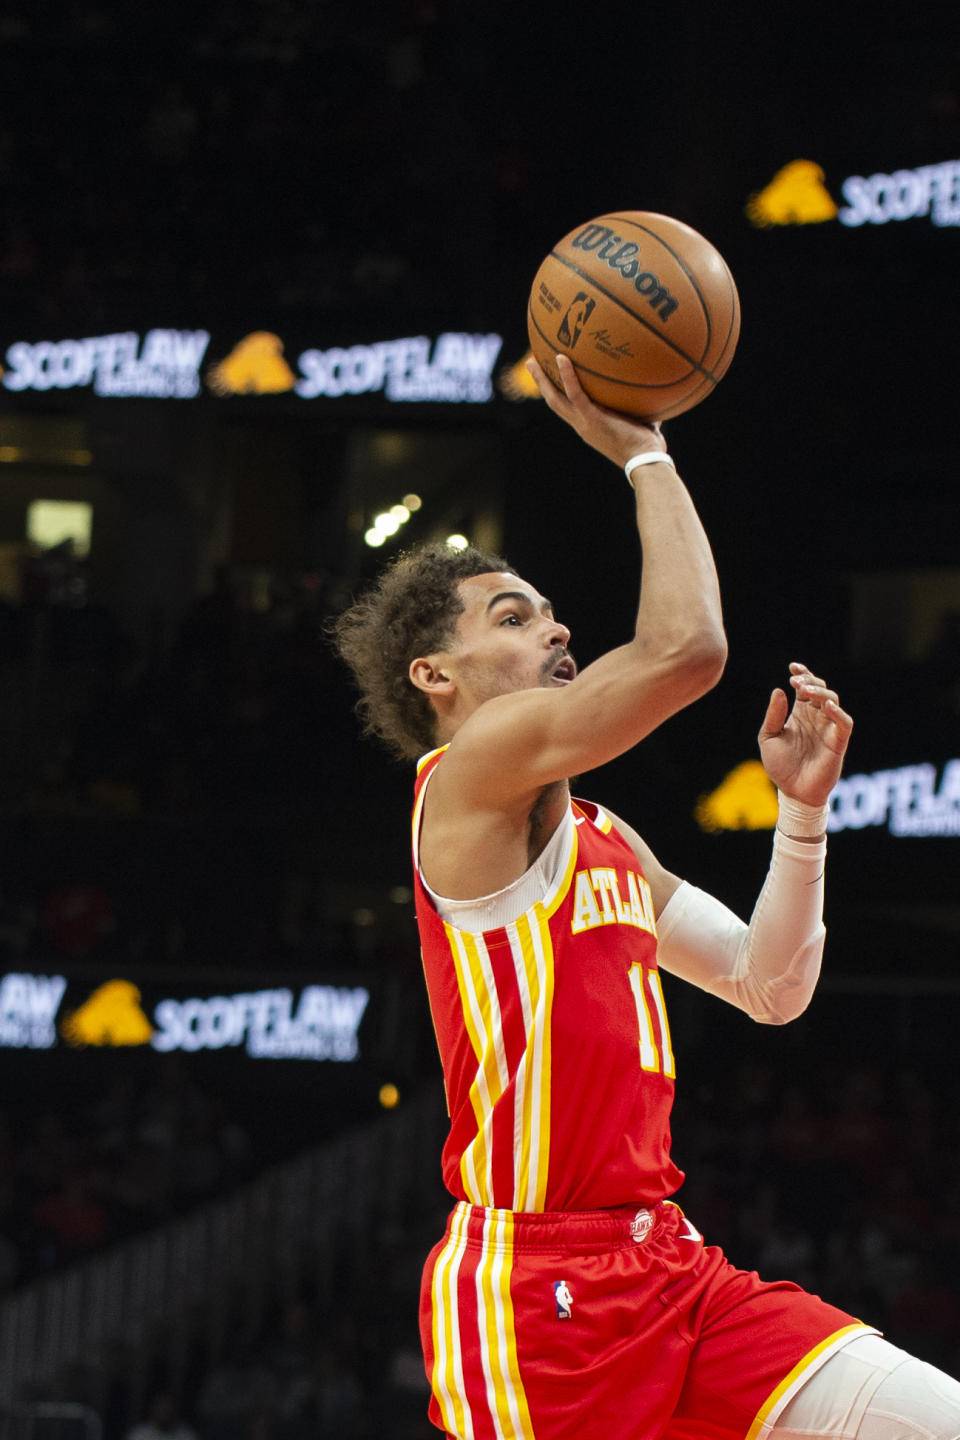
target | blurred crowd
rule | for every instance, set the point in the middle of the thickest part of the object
(349, 1374)
(184, 162)
(214, 147)
(130, 1145)
(176, 806)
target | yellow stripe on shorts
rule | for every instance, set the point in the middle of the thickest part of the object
(506, 1398)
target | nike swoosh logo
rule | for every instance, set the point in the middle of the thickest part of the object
(690, 1232)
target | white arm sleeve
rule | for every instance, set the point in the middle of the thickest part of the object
(768, 968)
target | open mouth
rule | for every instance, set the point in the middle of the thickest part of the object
(565, 671)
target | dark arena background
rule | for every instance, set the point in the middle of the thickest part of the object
(264, 269)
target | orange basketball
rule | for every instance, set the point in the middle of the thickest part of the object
(645, 308)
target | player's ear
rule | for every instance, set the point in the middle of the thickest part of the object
(429, 674)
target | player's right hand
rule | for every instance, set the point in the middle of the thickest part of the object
(614, 434)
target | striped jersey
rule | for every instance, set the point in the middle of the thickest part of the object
(553, 1036)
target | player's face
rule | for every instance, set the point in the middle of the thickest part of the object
(508, 639)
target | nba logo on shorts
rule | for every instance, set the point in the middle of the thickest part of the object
(564, 1299)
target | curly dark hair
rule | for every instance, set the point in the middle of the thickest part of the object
(410, 610)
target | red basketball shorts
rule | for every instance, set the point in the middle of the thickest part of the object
(615, 1324)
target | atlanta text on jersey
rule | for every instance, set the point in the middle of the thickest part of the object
(597, 901)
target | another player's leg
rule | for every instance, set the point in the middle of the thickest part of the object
(870, 1390)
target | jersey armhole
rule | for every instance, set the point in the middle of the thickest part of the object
(592, 812)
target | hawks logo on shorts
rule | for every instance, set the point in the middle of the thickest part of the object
(640, 1226)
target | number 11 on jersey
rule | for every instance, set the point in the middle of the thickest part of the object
(652, 1056)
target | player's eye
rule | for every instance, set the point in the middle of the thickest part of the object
(511, 619)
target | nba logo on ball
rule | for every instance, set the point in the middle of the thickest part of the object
(645, 308)
(564, 1299)
(571, 326)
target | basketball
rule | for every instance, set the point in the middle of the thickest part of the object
(645, 308)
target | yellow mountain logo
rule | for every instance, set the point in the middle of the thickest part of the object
(112, 1015)
(255, 366)
(745, 800)
(797, 195)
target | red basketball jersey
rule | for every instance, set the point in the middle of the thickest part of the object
(553, 1036)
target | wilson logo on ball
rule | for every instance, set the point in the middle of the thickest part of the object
(621, 255)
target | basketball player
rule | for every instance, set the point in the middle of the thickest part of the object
(570, 1296)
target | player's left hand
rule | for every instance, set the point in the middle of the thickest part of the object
(802, 751)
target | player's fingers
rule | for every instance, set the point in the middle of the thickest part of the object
(572, 388)
(815, 694)
(810, 688)
(800, 673)
(775, 718)
(593, 417)
(835, 712)
(555, 398)
(581, 403)
(543, 382)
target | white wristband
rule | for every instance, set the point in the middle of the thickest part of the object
(801, 820)
(647, 457)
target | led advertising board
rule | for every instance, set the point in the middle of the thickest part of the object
(800, 193)
(451, 368)
(310, 1022)
(909, 800)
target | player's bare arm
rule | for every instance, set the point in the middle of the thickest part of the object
(509, 747)
(523, 741)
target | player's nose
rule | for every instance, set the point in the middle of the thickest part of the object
(558, 634)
